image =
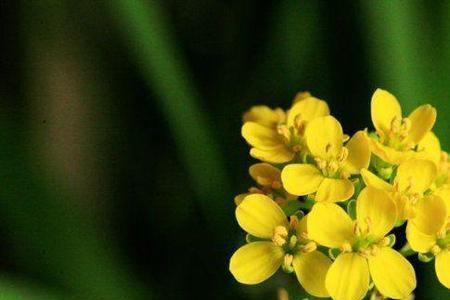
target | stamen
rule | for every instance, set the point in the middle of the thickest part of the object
(279, 236)
(346, 247)
(283, 130)
(343, 154)
(435, 250)
(309, 247)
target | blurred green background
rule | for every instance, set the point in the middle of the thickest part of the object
(120, 147)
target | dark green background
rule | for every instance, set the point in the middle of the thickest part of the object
(120, 146)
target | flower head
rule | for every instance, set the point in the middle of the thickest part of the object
(436, 244)
(365, 252)
(412, 193)
(275, 136)
(397, 136)
(331, 162)
(282, 243)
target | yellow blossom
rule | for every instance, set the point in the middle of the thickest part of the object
(328, 173)
(398, 136)
(283, 244)
(276, 137)
(365, 252)
(436, 244)
(412, 194)
(268, 179)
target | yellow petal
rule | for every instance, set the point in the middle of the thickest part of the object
(430, 214)
(324, 137)
(348, 277)
(307, 109)
(358, 153)
(429, 148)
(261, 137)
(373, 180)
(388, 154)
(392, 274)
(265, 116)
(442, 266)
(377, 207)
(329, 225)
(311, 270)
(384, 108)
(416, 175)
(239, 198)
(422, 120)
(256, 262)
(259, 215)
(334, 190)
(301, 179)
(278, 155)
(419, 241)
(265, 174)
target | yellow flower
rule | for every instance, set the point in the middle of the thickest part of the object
(268, 179)
(397, 136)
(275, 137)
(332, 163)
(436, 244)
(282, 243)
(412, 194)
(365, 251)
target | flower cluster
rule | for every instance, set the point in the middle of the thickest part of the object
(328, 206)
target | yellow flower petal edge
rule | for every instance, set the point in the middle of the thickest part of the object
(384, 108)
(358, 153)
(419, 241)
(329, 225)
(335, 190)
(430, 214)
(264, 115)
(416, 175)
(307, 109)
(348, 277)
(442, 266)
(324, 137)
(256, 262)
(301, 179)
(311, 270)
(265, 174)
(376, 207)
(373, 180)
(422, 121)
(259, 215)
(392, 274)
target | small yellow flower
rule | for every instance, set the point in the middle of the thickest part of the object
(332, 163)
(276, 137)
(437, 244)
(282, 243)
(412, 194)
(364, 245)
(268, 179)
(397, 136)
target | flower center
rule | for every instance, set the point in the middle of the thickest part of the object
(290, 243)
(396, 136)
(364, 243)
(332, 167)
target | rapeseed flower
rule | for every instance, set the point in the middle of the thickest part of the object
(437, 245)
(365, 251)
(397, 136)
(282, 243)
(331, 163)
(276, 136)
(412, 193)
(268, 180)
